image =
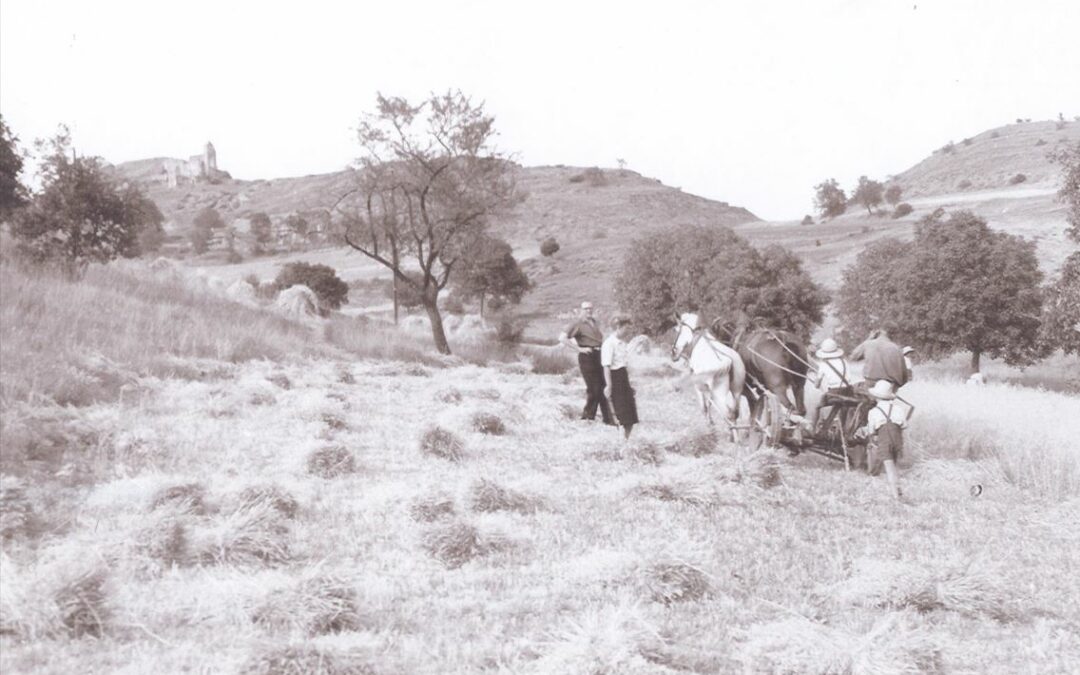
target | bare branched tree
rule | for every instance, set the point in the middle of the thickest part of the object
(428, 184)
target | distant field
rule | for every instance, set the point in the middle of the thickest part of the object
(287, 511)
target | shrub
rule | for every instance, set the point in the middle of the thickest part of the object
(488, 423)
(510, 329)
(439, 442)
(331, 462)
(964, 184)
(549, 247)
(948, 148)
(323, 280)
(1017, 179)
(807, 220)
(454, 305)
(234, 257)
(967, 141)
(577, 178)
(902, 210)
(595, 177)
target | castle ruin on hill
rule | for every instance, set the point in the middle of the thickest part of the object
(196, 169)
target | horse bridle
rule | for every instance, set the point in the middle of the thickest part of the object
(675, 356)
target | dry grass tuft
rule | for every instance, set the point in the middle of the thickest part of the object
(304, 660)
(488, 423)
(897, 585)
(316, 605)
(276, 496)
(895, 645)
(16, 511)
(449, 395)
(185, 498)
(334, 422)
(488, 496)
(250, 536)
(81, 604)
(694, 444)
(166, 541)
(331, 462)
(692, 492)
(761, 468)
(430, 509)
(457, 543)
(670, 582)
(645, 452)
(439, 442)
(281, 380)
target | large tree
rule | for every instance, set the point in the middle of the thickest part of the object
(428, 184)
(12, 192)
(1061, 309)
(80, 215)
(1069, 159)
(715, 272)
(959, 286)
(142, 210)
(829, 198)
(869, 193)
(202, 228)
(490, 272)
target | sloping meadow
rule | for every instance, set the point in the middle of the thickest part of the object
(355, 517)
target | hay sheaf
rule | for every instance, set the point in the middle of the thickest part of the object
(439, 442)
(81, 603)
(276, 496)
(166, 542)
(488, 423)
(183, 498)
(16, 510)
(457, 543)
(331, 462)
(317, 605)
(305, 660)
(602, 639)
(761, 469)
(256, 535)
(896, 644)
(448, 395)
(691, 492)
(675, 581)
(694, 444)
(432, 508)
(488, 496)
(888, 584)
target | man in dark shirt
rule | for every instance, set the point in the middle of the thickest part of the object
(584, 335)
(884, 360)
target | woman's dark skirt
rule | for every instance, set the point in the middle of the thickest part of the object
(622, 397)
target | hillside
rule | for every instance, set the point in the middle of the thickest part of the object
(989, 160)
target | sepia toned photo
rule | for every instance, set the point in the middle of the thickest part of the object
(494, 338)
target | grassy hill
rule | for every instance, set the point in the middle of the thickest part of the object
(991, 160)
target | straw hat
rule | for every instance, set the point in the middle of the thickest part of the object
(829, 350)
(908, 350)
(882, 390)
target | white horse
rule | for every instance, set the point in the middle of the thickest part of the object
(716, 370)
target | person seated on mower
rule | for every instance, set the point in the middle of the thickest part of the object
(833, 380)
(884, 360)
(885, 424)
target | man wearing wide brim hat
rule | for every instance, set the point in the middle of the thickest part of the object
(885, 424)
(831, 378)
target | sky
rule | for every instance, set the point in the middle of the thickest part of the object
(748, 102)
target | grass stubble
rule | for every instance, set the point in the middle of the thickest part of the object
(145, 533)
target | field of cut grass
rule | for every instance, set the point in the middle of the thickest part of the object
(325, 514)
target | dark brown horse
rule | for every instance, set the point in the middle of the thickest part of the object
(775, 360)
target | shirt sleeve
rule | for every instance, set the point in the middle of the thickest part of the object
(607, 352)
(571, 330)
(874, 419)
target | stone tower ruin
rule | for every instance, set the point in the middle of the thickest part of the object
(209, 164)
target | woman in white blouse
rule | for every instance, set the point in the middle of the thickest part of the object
(614, 354)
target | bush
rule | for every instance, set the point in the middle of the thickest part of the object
(949, 148)
(1017, 179)
(595, 177)
(454, 305)
(323, 280)
(510, 329)
(807, 220)
(577, 178)
(234, 257)
(964, 184)
(549, 247)
(902, 210)
(994, 134)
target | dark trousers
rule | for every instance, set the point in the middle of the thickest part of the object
(593, 373)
